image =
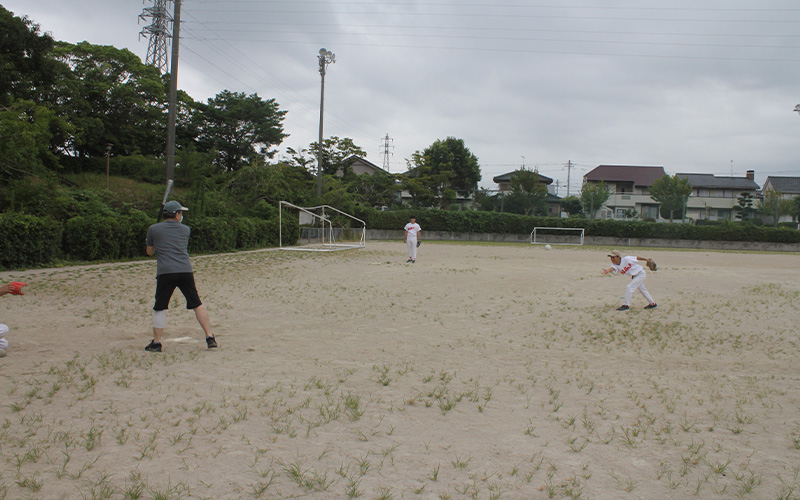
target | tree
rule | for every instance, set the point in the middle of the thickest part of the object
(745, 210)
(239, 127)
(593, 196)
(334, 153)
(451, 156)
(572, 205)
(376, 190)
(27, 130)
(528, 193)
(111, 97)
(27, 68)
(672, 193)
(774, 205)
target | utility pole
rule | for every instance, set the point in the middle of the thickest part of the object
(569, 171)
(386, 152)
(173, 91)
(325, 58)
(157, 32)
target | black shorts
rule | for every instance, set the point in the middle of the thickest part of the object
(166, 284)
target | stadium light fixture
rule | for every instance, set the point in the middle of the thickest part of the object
(325, 58)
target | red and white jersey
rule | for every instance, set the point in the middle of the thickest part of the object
(628, 265)
(412, 229)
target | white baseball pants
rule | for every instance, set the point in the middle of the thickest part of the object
(411, 243)
(637, 283)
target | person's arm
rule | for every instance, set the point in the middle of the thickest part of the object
(419, 230)
(609, 270)
(643, 258)
(405, 237)
(5, 289)
(150, 250)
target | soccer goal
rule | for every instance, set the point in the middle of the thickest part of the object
(557, 236)
(322, 228)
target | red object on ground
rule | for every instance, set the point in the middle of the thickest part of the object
(16, 287)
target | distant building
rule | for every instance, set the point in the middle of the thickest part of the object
(787, 188)
(360, 166)
(504, 181)
(629, 187)
(714, 198)
(553, 201)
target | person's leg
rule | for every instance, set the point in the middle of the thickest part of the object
(646, 294)
(629, 292)
(3, 341)
(159, 323)
(411, 244)
(201, 314)
(189, 289)
(165, 286)
(413, 248)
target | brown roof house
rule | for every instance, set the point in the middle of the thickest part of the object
(629, 187)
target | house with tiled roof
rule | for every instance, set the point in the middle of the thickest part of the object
(714, 198)
(553, 201)
(629, 187)
(787, 187)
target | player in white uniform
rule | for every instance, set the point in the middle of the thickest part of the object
(629, 266)
(412, 239)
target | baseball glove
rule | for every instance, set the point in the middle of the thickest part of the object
(651, 264)
(419, 243)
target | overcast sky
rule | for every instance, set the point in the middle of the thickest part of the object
(694, 86)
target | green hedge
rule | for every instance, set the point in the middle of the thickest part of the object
(26, 240)
(496, 222)
(100, 237)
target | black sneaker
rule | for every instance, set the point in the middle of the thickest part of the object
(623, 308)
(409, 260)
(211, 342)
(651, 306)
(153, 346)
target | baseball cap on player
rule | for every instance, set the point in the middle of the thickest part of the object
(174, 207)
(614, 253)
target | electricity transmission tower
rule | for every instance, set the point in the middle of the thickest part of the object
(159, 17)
(386, 152)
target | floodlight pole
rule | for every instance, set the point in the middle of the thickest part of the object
(325, 57)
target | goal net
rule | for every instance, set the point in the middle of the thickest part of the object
(557, 236)
(322, 228)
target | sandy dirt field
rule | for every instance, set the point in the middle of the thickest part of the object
(480, 372)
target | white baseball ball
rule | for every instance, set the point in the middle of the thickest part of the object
(547, 247)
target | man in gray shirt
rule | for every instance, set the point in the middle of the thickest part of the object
(169, 241)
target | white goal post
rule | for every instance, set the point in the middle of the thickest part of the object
(318, 232)
(557, 235)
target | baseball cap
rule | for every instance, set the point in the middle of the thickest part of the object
(614, 253)
(174, 206)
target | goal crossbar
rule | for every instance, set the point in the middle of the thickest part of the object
(328, 238)
(557, 235)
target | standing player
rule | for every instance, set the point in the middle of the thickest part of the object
(14, 288)
(169, 241)
(629, 266)
(412, 239)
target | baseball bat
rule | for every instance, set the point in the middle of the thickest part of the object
(164, 201)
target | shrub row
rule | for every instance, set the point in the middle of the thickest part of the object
(496, 222)
(27, 241)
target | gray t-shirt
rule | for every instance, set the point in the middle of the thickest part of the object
(171, 240)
